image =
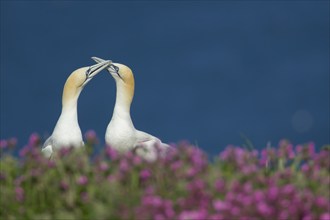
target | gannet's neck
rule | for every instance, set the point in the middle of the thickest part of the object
(124, 98)
(71, 92)
(70, 97)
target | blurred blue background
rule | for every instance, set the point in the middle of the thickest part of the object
(205, 72)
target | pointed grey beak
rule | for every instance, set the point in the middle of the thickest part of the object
(111, 68)
(95, 69)
(97, 59)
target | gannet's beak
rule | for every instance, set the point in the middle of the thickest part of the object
(112, 69)
(97, 59)
(95, 69)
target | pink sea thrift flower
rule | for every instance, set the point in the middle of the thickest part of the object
(193, 215)
(220, 185)
(111, 153)
(82, 180)
(124, 165)
(145, 174)
(103, 166)
(273, 193)
(3, 144)
(91, 137)
(34, 140)
(64, 185)
(137, 160)
(286, 150)
(176, 165)
(19, 191)
(325, 216)
(219, 205)
(264, 209)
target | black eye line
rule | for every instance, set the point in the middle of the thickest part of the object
(116, 68)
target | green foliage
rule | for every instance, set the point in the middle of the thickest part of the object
(275, 183)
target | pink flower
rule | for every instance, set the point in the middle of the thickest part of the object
(24, 151)
(264, 209)
(193, 215)
(160, 217)
(111, 178)
(220, 185)
(219, 205)
(321, 202)
(176, 165)
(82, 180)
(258, 195)
(124, 166)
(3, 144)
(111, 153)
(325, 216)
(64, 185)
(19, 191)
(247, 187)
(145, 174)
(91, 137)
(286, 150)
(103, 166)
(64, 151)
(273, 192)
(154, 201)
(34, 140)
(217, 217)
(137, 160)
(308, 217)
(235, 211)
(311, 149)
(288, 189)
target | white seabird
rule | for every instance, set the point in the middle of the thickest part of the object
(121, 133)
(67, 132)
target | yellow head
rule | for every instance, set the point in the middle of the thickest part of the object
(78, 79)
(124, 78)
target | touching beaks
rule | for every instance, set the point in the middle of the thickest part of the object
(97, 59)
(111, 68)
(95, 69)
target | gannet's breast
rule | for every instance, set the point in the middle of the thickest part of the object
(124, 137)
(66, 133)
(120, 135)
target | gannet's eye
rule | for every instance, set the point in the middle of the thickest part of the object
(88, 71)
(115, 68)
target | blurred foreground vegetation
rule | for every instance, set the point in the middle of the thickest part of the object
(282, 182)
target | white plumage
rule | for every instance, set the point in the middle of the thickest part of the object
(121, 133)
(67, 132)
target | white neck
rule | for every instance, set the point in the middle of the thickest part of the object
(69, 117)
(69, 111)
(123, 104)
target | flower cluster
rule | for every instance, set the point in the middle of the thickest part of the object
(283, 182)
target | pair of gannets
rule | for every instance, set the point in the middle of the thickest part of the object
(121, 133)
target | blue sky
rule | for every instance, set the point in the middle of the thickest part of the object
(205, 71)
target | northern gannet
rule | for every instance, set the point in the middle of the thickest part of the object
(67, 131)
(121, 133)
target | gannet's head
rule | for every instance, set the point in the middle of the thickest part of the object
(80, 77)
(124, 78)
(121, 73)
